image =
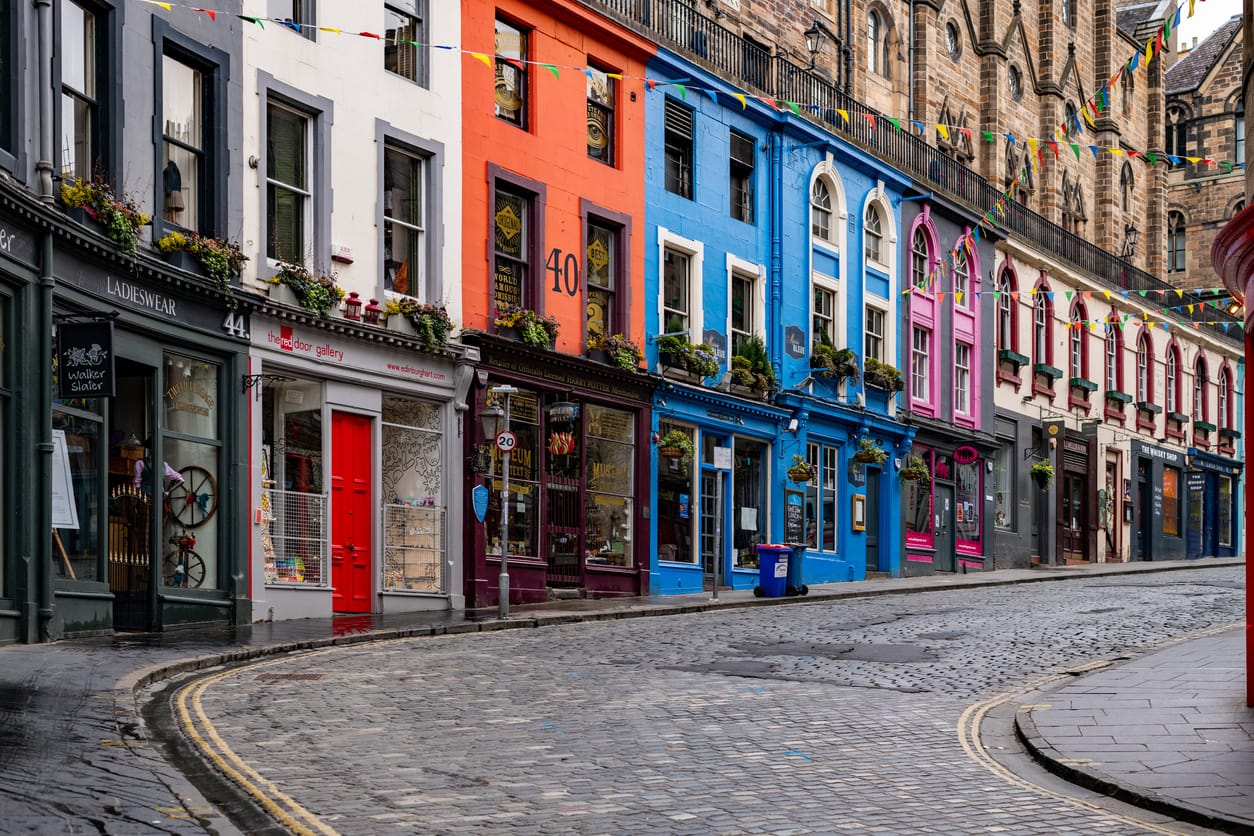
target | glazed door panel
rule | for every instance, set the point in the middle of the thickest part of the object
(1073, 518)
(943, 512)
(872, 520)
(352, 512)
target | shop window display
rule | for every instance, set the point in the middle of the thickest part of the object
(821, 497)
(191, 447)
(1171, 501)
(917, 496)
(1224, 512)
(610, 485)
(293, 498)
(749, 505)
(676, 494)
(524, 488)
(1003, 482)
(76, 550)
(969, 496)
(413, 496)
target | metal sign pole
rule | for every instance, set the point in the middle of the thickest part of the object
(503, 581)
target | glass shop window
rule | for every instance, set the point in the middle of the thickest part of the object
(76, 547)
(610, 483)
(192, 448)
(917, 496)
(524, 471)
(1224, 512)
(969, 496)
(676, 495)
(413, 495)
(749, 503)
(293, 497)
(1171, 501)
(1003, 482)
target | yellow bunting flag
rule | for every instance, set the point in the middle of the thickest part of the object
(958, 297)
(479, 56)
(943, 131)
(335, 31)
(844, 114)
(740, 97)
(165, 6)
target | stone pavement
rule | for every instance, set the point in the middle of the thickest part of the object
(76, 755)
(1169, 731)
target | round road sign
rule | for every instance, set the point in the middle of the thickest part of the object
(506, 441)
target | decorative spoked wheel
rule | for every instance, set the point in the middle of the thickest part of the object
(183, 568)
(194, 500)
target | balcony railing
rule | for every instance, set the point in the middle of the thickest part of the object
(677, 24)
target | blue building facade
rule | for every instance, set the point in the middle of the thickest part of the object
(764, 236)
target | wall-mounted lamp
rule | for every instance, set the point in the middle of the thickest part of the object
(814, 40)
(793, 424)
(1235, 307)
(1130, 235)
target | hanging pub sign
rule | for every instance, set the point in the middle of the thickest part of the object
(85, 359)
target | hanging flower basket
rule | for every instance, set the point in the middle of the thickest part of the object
(671, 452)
(676, 445)
(800, 470)
(869, 452)
(915, 470)
(1042, 474)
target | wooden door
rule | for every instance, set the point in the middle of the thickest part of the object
(872, 520)
(352, 507)
(944, 532)
(1073, 519)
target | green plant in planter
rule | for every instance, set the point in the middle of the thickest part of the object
(431, 322)
(915, 470)
(223, 260)
(533, 330)
(827, 361)
(869, 452)
(678, 352)
(877, 373)
(800, 470)
(751, 367)
(120, 216)
(676, 444)
(316, 293)
(1042, 474)
(623, 353)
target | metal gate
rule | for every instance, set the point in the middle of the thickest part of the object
(130, 558)
(563, 535)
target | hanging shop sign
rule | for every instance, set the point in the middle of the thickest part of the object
(85, 359)
(966, 455)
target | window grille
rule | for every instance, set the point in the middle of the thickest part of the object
(413, 549)
(294, 540)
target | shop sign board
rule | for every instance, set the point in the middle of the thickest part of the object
(17, 244)
(794, 517)
(85, 359)
(479, 501)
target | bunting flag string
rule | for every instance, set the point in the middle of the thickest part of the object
(945, 131)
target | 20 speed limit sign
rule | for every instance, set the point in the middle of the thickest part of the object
(506, 441)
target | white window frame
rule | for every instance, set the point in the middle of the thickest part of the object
(309, 234)
(418, 282)
(1171, 379)
(965, 273)
(888, 230)
(756, 274)
(867, 333)
(920, 372)
(1222, 400)
(1201, 376)
(695, 250)
(837, 243)
(962, 378)
(1112, 358)
(1143, 368)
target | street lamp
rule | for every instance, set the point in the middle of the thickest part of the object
(814, 40)
(495, 421)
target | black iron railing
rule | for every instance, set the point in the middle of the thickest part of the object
(677, 24)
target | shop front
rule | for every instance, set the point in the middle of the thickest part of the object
(148, 528)
(355, 468)
(1212, 495)
(719, 495)
(576, 518)
(1158, 531)
(946, 525)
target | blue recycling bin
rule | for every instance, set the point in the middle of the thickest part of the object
(795, 584)
(772, 571)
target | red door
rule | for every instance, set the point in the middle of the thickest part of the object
(351, 512)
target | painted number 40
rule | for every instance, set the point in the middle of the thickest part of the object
(565, 271)
(234, 325)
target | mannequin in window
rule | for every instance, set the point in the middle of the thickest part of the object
(141, 469)
(172, 185)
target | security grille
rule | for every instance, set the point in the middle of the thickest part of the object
(413, 549)
(294, 537)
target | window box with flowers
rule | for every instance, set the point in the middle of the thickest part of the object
(315, 292)
(677, 446)
(800, 471)
(915, 470)
(94, 199)
(429, 323)
(683, 360)
(882, 376)
(216, 258)
(1042, 473)
(751, 372)
(527, 327)
(615, 350)
(868, 452)
(835, 364)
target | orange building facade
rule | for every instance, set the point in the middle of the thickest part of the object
(553, 226)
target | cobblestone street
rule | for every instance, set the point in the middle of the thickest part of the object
(812, 718)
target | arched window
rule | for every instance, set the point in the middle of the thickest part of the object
(1042, 330)
(873, 35)
(1144, 369)
(1129, 92)
(1201, 377)
(820, 210)
(1069, 108)
(1175, 242)
(874, 235)
(1237, 207)
(1114, 354)
(1006, 335)
(1078, 353)
(1125, 186)
(962, 280)
(1177, 133)
(1238, 130)
(920, 258)
(1068, 12)
(1173, 379)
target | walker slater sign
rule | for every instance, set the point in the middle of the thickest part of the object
(85, 359)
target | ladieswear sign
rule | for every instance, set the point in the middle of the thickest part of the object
(85, 359)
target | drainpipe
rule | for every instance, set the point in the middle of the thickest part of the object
(910, 66)
(776, 208)
(43, 326)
